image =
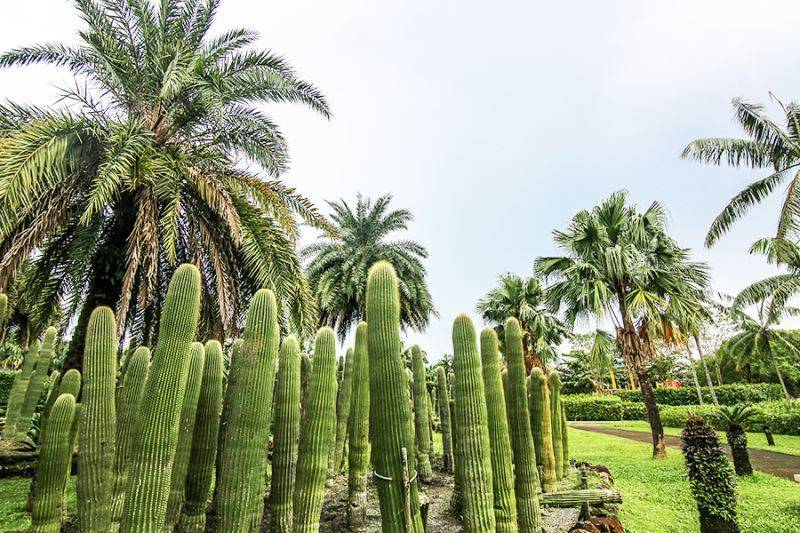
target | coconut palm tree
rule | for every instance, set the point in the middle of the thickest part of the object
(733, 418)
(159, 155)
(338, 264)
(770, 146)
(620, 267)
(524, 299)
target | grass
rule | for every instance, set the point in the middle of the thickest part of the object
(14, 493)
(656, 493)
(783, 443)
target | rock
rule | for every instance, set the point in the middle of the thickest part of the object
(598, 525)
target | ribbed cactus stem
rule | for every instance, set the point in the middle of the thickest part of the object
(37, 383)
(316, 435)
(456, 502)
(129, 402)
(52, 396)
(358, 434)
(443, 393)
(505, 505)
(526, 477)
(305, 373)
(285, 439)
(52, 469)
(97, 433)
(539, 401)
(160, 414)
(19, 388)
(343, 413)
(564, 439)
(390, 413)
(250, 386)
(422, 415)
(432, 428)
(180, 466)
(555, 420)
(204, 442)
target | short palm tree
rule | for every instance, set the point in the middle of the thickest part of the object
(620, 266)
(524, 299)
(338, 264)
(733, 418)
(770, 146)
(142, 170)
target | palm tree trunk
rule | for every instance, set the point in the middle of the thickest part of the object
(718, 371)
(737, 440)
(694, 377)
(613, 379)
(783, 384)
(653, 414)
(708, 374)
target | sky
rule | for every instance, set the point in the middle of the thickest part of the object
(494, 122)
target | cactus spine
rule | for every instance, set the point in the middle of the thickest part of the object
(343, 413)
(564, 439)
(555, 420)
(160, 414)
(358, 437)
(287, 431)
(37, 383)
(539, 401)
(389, 410)
(249, 395)
(53, 467)
(96, 435)
(18, 390)
(316, 435)
(444, 419)
(188, 416)
(204, 442)
(526, 486)
(505, 505)
(422, 416)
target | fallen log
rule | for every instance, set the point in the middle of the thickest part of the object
(574, 498)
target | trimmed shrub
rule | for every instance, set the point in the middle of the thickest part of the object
(726, 394)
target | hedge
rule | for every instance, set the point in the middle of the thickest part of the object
(726, 394)
(6, 379)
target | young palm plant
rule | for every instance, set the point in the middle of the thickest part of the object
(146, 152)
(733, 417)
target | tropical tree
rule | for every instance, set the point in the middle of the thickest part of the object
(338, 264)
(733, 418)
(524, 299)
(620, 267)
(159, 155)
(770, 146)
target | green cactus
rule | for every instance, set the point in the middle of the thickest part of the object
(55, 456)
(456, 502)
(285, 439)
(204, 442)
(52, 394)
(539, 402)
(505, 505)
(564, 438)
(3, 313)
(305, 373)
(129, 401)
(19, 388)
(444, 419)
(316, 435)
(180, 466)
(431, 427)
(422, 424)
(358, 437)
(97, 433)
(249, 395)
(160, 414)
(390, 413)
(342, 413)
(37, 383)
(526, 477)
(555, 421)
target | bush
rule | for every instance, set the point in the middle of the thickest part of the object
(596, 408)
(6, 379)
(726, 394)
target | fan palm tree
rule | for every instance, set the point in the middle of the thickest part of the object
(733, 418)
(620, 266)
(770, 146)
(524, 299)
(338, 264)
(160, 156)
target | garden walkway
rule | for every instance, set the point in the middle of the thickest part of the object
(775, 463)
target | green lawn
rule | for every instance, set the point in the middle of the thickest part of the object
(783, 443)
(656, 494)
(13, 493)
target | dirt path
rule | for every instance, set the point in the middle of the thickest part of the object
(775, 463)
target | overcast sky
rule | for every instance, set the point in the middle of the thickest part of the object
(494, 122)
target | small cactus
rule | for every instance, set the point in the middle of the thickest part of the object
(19, 388)
(37, 383)
(555, 420)
(421, 416)
(539, 401)
(444, 419)
(342, 413)
(358, 437)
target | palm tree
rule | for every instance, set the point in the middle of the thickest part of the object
(770, 146)
(620, 266)
(338, 264)
(159, 157)
(524, 299)
(733, 417)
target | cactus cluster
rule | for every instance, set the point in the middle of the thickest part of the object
(539, 402)
(19, 388)
(37, 383)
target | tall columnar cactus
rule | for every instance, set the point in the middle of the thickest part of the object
(249, 395)
(97, 433)
(456, 502)
(160, 414)
(431, 428)
(305, 373)
(129, 401)
(444, 419)
(564, 439)
(472, 431)
(422, 416)
(285, 439)
(236, 347)
(316, 435)
(204, 442)
(539, 401)
(505, 505)
(526, 482)
(70, 383)
(358, 434)
(342, 413)
(37, 383)
(389, 410)
(55, 456)
(555, 420)
(19, 388)
(180, 466)
(52, 396)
